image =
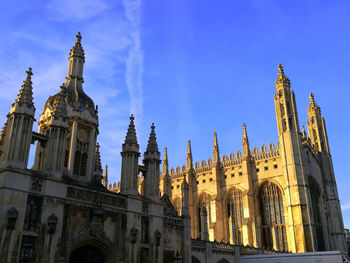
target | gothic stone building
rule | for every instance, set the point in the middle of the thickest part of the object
(60, 210)
(283, 197)
(280, 196)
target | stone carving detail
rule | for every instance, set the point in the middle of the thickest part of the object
(90, 196)
(37, 184)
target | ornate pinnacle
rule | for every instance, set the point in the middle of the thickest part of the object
(105, 176)
(165, 157)
(282, 79)
(98, 166)
(77, 50)
(245, 141)
(313, 105)
(131, 135)
(152, 141)
(3, 132)
(216, 146)
(189, 150)
(26, 92)
(304, 132)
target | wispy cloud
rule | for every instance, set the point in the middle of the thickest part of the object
(134, 63)
(345, 207)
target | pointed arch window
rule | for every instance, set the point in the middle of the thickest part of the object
(273, 228)
(235, 216)
(203, 202)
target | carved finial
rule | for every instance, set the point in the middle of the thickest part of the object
(26, 92)
(280, 69)
(77, 50)
(312, 98)
(282, 79)
(152, 141)
(131, 135)
(78, 37)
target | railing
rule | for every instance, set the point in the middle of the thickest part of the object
(175, 222)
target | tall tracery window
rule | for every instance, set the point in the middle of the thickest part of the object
(316, 219)
(203, 202)
(235, 216)
(273, 228)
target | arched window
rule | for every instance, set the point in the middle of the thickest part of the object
(316, 219)
(235, 216)
(273, 228)
(203, 202)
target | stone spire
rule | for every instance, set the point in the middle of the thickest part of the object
(105, 177)
(152, 146)
(151, 163)
(26, 92)
(313, 105)
(245, 141)
(189, 156)
(216, 149)
(131, 135)
(165, 162)
(77, 50)
(130, 161)
(59, 105)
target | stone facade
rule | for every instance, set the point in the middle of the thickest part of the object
(60, 210)
(281, 197)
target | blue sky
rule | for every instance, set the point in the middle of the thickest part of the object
(191, 67)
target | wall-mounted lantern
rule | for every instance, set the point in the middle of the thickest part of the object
(52, 223)
(157, 236)
(12, 216)
(133, 234)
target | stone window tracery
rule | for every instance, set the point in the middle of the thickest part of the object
(204, 202)
(273, 228)
(81, 153)
(235, 216)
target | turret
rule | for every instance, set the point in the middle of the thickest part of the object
(317, 127)
(152, 162)
(216, 154)
(165, 162)
(286, 110)
(50, 158)
(130, 159)
(17, 133)
(245, 142)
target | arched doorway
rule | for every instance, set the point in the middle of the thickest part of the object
(87, 254)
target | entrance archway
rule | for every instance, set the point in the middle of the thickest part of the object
(87, 254)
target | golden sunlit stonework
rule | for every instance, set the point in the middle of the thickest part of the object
(62, 209)
(282, 197)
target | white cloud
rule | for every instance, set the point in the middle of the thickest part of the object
(134, 63)
(75, 9)
(345, 207)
